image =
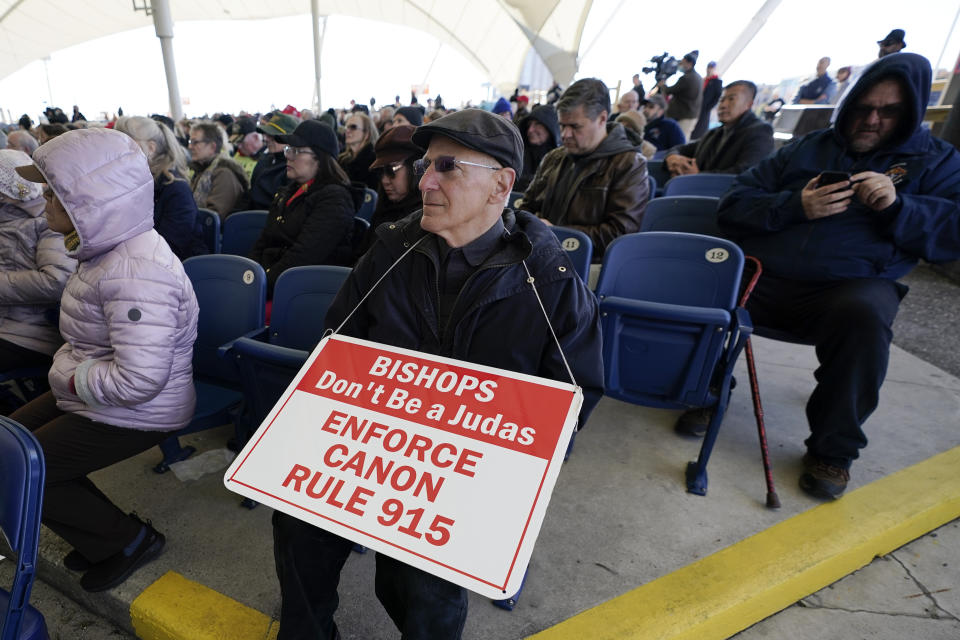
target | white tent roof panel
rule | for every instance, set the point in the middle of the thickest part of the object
(494, 34)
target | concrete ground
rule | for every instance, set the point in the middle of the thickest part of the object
(910, 593)
(619, 516)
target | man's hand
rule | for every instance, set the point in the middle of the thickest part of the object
(680, 165)
(874, 189)
(546, 222)
(828, 200)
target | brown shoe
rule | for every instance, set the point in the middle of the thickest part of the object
(821, 480)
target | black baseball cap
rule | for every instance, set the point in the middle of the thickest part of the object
(897, 35)
(314, 134)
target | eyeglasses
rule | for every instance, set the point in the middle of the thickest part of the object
(886, 112)
(194, 142)
(444, 164)
(391, 170)
(353, 127)
(293, 152)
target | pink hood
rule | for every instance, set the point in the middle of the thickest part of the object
(103, 181)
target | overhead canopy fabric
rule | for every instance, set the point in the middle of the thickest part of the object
(496, 35)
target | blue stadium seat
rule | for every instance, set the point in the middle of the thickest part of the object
(369, 204)
(672, 330)
(579, 248)
(210, 221)
(690, 214)
(269, 359)
(231, 292)
(241, 230)
(700, 184)
(22, 473)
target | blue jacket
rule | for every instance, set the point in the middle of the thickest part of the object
(763, 211)
(175, 217)
(496, 320)
(664, 133)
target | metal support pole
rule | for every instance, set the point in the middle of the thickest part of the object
(46, 73)
(318, 34)
(163, 23)
(755, 24)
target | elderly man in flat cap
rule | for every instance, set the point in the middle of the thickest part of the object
(461, 279)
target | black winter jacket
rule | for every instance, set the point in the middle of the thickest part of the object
(316, 228)
(750, 141)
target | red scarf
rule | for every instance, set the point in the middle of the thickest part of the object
(303, 189)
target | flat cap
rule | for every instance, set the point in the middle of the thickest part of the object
(478, 130)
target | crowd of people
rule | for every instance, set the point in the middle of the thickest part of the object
(96, 220)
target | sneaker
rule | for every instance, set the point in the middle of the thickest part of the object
(76, 562)
(822, 480)
(120, 566)
(693, 422)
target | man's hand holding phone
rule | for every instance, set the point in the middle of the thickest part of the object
(875, 190)
(827, 194)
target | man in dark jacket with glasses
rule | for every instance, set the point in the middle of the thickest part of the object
(458, 286)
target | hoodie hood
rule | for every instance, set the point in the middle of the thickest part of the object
(546, 115)
(103, 181)
(913, 72)
(616, 142)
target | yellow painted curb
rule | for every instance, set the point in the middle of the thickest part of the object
(174, 608)
(724, 593)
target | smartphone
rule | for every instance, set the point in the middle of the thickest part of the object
(832, 177)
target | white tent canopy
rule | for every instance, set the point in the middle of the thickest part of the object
(496, 35)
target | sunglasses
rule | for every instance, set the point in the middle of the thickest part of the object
(886, 112)
(445, 164)
(353, 127)
(391, 170)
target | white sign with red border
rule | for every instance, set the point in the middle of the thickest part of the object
(443, 464)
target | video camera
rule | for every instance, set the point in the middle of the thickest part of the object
(666, 66)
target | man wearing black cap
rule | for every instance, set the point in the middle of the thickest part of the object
(892, 43)
(461, 279)
(686, 95)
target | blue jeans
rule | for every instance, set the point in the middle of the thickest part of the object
(309, 561)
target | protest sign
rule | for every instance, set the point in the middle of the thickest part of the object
(442, 464)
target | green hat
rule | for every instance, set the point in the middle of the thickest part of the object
(278, 124)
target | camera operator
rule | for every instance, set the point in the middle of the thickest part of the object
(685, 94)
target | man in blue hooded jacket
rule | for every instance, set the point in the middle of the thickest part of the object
(832, 253)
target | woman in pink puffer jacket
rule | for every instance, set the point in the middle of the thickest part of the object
(34, 268)
(123, 379)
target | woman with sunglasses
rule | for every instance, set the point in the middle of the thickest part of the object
(360, 136)
(398, 194)
(311, 219)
